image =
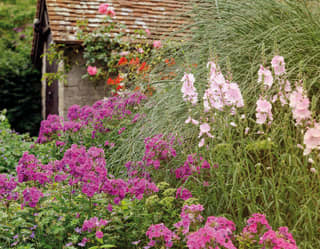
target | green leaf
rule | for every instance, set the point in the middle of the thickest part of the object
(107, 246)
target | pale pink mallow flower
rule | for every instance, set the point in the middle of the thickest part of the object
(263, 110)
(265, 76)
(221, 93)
(191, 120)
(205, 129)
(278, 65)
(311, 139)
(233, 96)
(148, 32)
(92, 70)
(201, 143)
(189, 91)
(299, 103)
(157, 44)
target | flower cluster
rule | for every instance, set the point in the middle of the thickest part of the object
(218, 232)
(159, 234)
(93, 223)
(106, 10)
(299, 103)
(90, 117)
(7, 187)
(189, 91)
(30, 169)
(190, 215)
(31, 197)
(183, 193)
(263, 111)
(221, 93)
(191, 166)
(158, 149)
(258, 226)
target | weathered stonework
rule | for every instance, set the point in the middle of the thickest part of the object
(77, 90)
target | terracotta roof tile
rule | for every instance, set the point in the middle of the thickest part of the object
(161, 17)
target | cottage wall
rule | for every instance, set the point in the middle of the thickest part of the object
(77, 90)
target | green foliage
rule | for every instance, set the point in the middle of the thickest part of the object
(20, 87)
(12, 146)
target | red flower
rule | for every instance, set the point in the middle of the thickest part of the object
(143, 66)
(122, 61)
(118, 80)
(119, 87)
(134, 61)
(110, 81)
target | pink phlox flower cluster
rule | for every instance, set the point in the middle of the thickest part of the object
(92, 117)
(49, 127)
(311, 139)
(299, 102)
(278, 65)
(159, 234)
(192, 165)
(263, 111)
(93, 223)
(281, 239)
(117, 188)
(208, 237)
(256, 224)
(106, 10)
(190, 214)
(183, 193)
(158, 149)
(220, 223)
(30, 169)
(140, 186)
(221, 93)
(31, 197)
(7, 187)
(189, 91)
(265, 76)
(86, 167)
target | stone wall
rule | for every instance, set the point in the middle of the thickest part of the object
(77, 90)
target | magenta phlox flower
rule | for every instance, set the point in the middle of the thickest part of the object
(278, 240)
(31, 197)
(158, 149)
(183, 193)
(193, 165)
(30, 169)
(158, 233)
(256, 224)
(49, 127)
(140, 186)
(7, 186)
(93, 223)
